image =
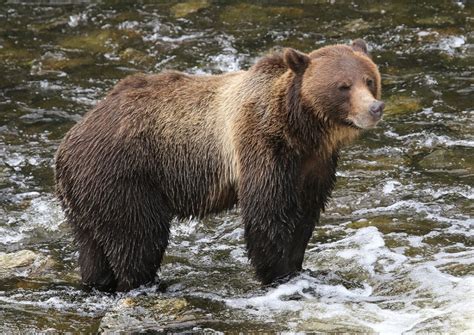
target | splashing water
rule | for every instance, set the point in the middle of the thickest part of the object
(392, 254)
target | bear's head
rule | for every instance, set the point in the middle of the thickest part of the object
(339, 83)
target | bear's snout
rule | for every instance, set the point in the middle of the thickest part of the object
(376, 109)
(366, 110)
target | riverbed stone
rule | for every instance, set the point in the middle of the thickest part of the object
(137, 57)
(259, 15)
(435, 20)
(447, 160)
(24, 263)
(356, 25)
(57, 62)
(17, 259)
(335, 326)
(188, 7)
(402, 105)
(386, 225)
(439, 324)
(139, 314)
(9, 54)
(101, 41)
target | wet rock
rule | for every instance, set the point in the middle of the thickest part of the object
(433, 21)
(136, 57)
(101, 41)
(17, 259)
(333, 326)
(258, 15)
(54, 24)
(96, 41)
(24, 263)
(72, 276)
(153, 314)
(11, 54)
(440, 324)
(356, 25)
(344, 270)
(447, 160)
(376, 165)
(57, 62)
(185, 8)
(402, 105)
(387, 225)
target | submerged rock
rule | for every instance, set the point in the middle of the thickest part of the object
(434, 21)
(137, 57)
(357, 25)
(403, 105)
(258, 15)
(11, 54)
(386, 225)
(453, 161)
(57, 62)
(54, 24)
(156, 313)
(188, 7)
(335, 326)
(24, 263)
(160, 315)
(17, 259)
(101, 41)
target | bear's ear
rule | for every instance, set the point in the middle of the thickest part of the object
(360, 45)
(295, 60)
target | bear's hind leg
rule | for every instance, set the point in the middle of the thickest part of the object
(136, 235)
(136, 258)
(95, 269)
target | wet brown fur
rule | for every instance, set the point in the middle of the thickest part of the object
(172, 144)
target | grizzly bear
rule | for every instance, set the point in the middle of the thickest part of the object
(179, 145)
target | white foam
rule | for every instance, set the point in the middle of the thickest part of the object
(7, 236)
(174, 40)
(461, 190)
(184, 227)
(273, 300)
(390, 186)
(451, 42)
(67, 300)
(426, 139)
(128, 25)
(43, 215)
(306, 298)
(15, 160)
(75, 20)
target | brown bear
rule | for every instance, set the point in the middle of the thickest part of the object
(173, 144)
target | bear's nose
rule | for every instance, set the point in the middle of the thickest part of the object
(376, 108)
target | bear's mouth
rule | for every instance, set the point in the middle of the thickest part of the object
(351, 124)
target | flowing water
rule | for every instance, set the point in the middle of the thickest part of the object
(393, 253)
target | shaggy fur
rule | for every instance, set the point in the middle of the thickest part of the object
(172, 144)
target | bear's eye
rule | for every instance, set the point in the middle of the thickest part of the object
(344, 87)
(370, 82)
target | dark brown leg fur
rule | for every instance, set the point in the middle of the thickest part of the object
(95, 269)
(302, 235)
(135, 246)
(120, 223)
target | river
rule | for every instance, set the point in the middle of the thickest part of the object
(393, 252)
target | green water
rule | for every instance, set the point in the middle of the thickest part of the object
(392, 254)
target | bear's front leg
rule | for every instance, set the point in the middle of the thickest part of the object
(268, 196)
